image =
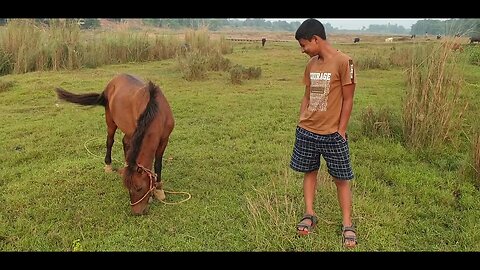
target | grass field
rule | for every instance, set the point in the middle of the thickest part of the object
(230, 151)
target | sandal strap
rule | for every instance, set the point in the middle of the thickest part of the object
(350, 238)
(349, 228)
(312, 218)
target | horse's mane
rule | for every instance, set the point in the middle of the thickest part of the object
(143, 123)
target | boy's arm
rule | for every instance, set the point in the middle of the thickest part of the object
(305, 99)
(347, 105)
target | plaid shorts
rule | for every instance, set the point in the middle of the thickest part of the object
(309, 147)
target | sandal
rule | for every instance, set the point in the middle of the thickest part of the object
(303, 228)
(349, 241)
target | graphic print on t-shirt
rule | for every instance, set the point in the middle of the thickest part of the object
(352, 71)
(319, 89)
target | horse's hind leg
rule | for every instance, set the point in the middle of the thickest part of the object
(111, 128)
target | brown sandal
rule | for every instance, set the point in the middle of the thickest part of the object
(304, 228)
(351, 239)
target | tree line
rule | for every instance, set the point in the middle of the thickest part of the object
(465, 27)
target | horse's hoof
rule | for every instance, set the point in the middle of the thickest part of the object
(108, 168)
(159, 194)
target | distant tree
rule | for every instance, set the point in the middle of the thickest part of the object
(114, 20)
(90, 24)
(387, 29)
(450, 27)
(328, 28)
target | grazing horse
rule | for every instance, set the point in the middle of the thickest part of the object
(143, 114)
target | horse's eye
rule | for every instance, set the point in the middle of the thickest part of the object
(139, 170)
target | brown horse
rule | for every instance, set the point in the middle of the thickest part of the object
(143, 114)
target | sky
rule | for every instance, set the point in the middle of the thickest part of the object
(357, 24)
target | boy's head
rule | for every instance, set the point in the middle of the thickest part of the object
(309, 28)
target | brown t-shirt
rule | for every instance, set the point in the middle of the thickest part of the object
(322, 115)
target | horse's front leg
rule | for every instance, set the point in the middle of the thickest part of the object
(111, 128)
(126, 147)
(159, 193)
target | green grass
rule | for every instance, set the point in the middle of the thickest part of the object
(230, 150)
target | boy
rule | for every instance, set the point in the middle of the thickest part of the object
(325, 110)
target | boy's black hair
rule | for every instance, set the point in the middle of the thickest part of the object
(309, 28)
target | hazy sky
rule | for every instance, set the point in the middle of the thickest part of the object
(357, 24)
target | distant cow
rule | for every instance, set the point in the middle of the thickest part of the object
(439, 37)
(413, 36)
(356, 40)
(263, 41)
(474, 39)
(390, 39)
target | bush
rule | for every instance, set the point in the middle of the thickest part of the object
(376, 124)
(239, 73)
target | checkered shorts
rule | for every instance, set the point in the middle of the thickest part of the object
(309, 147)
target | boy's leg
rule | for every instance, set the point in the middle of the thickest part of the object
(309, 188)
(337, 157)
(306, 159)
(344, 195)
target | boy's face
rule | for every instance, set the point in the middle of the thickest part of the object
(309, 46)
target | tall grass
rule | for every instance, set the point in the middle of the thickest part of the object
(20, 42)
(63, 46)
(476, 158)
(432, 107)
(27, 46)
(377, 123)
(198, 39)
(375, 60)
(193, 65)
(238, 73)
(274, 211)
(200, 54)
(5, 85)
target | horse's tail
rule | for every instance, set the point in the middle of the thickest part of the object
(82, 99)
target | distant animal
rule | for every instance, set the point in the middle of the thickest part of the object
(390, 39)
(474, 39)
(413, 36)
(439, 37)
(143, 114)
(264, 40)
(356, 40)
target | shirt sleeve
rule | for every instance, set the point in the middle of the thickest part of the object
(347, 72)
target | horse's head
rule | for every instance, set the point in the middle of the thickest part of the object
(140, 183)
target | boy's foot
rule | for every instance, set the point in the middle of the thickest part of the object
(306, 224)
(349, 236)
